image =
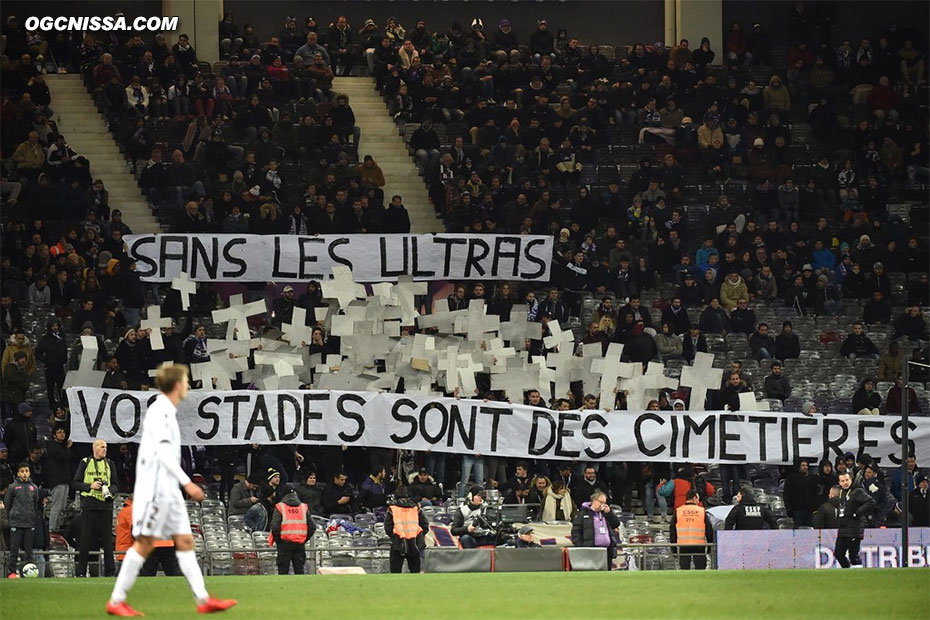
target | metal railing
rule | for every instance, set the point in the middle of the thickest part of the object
(262, 560)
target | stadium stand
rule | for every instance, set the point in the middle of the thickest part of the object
(693, 195)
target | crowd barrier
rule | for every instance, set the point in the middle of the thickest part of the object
(809, 548)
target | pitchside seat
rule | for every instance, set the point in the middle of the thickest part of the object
(446, 560)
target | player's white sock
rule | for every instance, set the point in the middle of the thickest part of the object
(128, 571)
(191, 569)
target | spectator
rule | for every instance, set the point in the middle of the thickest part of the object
(858, 346)
(890, 364)
(800, 494)
(866, 401)
(594, 525)
(894, 400)
(56, 469)
(777, 385)
(761, 344)
(787, 343)
(910, 325)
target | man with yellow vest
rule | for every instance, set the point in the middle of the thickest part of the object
(691, 528)
(406, 526)
(94, 478)
(291, 527)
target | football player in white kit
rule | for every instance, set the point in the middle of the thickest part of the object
(158, 509)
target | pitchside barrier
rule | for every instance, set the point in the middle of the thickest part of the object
(881, 548)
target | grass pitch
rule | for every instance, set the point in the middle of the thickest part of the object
(886, 593)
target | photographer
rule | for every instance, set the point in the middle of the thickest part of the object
(470, 524)
(594, 526)
(93, 479)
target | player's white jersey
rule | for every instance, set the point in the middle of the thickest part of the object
(158, 462)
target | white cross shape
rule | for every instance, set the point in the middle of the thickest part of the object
(404, 294)
(342, 287)
(655, 380)
(236, 316)
(559, 337)
(700, 377)
(297, 332)
(155, 322)
(635, 388)
(748, 402)
(611, 368)
(186, 287)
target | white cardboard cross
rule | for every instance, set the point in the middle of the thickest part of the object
(342, 287)
(155, 322)
(297, 331)
(611, 368)
(655, 380)
(700, 377)
(186, 287)
(748, 402)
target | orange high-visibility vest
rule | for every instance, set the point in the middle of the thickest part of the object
(406, 522)
(293, 523)
(690, 525)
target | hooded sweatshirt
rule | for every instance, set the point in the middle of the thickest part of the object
(12, 348)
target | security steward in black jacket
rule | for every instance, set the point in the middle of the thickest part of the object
(94, 478)
(825, 517)
(855, 507)
(749, 515)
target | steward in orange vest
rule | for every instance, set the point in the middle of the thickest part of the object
(291, 527)
(691, 528)
(406, 526)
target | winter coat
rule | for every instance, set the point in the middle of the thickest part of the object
(865, 400)
(855, 507)
(800, 492)
(825, 517)
(731, 292)
(555, 501)
(56, 464)
(53, 350)
(583, 526)
(12, 348)
(787, 346)
(860, 345)
(20, 436)
(22, 503)
(748, 515)
(15, 384)
(777, 387)
(240, 499)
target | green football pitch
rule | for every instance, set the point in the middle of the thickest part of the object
(671, 595)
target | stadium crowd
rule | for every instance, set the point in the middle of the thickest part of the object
(692, 191)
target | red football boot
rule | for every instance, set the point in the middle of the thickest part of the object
(215, 604)
(122, 609)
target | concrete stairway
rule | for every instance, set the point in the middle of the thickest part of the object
(86, 131)
(381, 140)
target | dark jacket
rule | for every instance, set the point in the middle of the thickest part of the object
(855, 507)
(312, 496)
(53, 351)
(825, 517)
(582, 490)
(290, 499)
(20, 436)
(920, 508)
(240, 499)
(865, 400)
(399, 544)
(15, 384)
(748, 515)
(800, 492)
(787, 346)
(583, 526)
(331, 496)
(860, 345)
(777, 387)
(22, 503)
(56, 464)
(371, 495)
(424, 490)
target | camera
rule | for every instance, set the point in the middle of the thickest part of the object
(104, 489)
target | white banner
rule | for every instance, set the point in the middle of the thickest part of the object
(390, 420)
(372, 258)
